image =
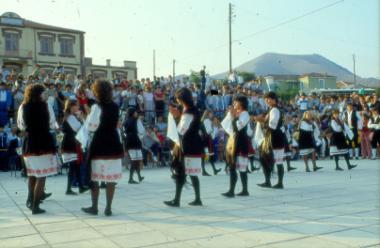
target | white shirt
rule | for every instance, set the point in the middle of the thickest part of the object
(208, 125)
(274, 118)
(184, 123)
(242, 120)
(74, 123)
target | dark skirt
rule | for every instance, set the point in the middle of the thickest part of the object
(36, 144)
(106, 146)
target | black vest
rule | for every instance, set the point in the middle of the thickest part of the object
(278, 137)
(69, 142)
(131, 132)
(241, 139)
(106, 142)
(38, 140)
(192, 140)
(354, 119)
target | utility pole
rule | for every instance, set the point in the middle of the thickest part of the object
(154, 63)
(230, 35)
(173, 70)
(354, 58)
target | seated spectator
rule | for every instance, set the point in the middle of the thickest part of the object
(161, 125)
(151, 144)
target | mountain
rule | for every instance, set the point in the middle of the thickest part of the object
(286, 64)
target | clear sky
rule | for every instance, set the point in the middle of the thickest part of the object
(195, 32)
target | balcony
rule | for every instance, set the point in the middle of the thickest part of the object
(21, 53)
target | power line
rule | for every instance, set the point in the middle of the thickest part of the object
(268, 28)
(290, 20)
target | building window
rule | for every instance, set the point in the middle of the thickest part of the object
(11, 41)
(322, 84)
(67, 46)
(47, 43)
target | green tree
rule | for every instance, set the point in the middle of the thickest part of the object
(195, 77)
(247, 76)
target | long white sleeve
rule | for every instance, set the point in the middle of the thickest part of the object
(336, 127)
(74, 123)
(184, 123)
(274, 118)
(93, 119)
(52, 121)
(208, 126)
(20, 118)
(140, 129)
(242, 120)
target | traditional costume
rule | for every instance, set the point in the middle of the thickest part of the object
(338, 142)
(237, 151)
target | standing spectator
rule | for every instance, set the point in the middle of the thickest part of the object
(5, 104)
(59, 69)
(303, 103)
(365, 142)
(159, 101)
(149, 105)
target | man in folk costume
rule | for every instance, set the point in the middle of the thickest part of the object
(236, 124)
(354, 121)
(374, 125)
(272, 149)
(338, 142)
(208, 137)
(186, 135)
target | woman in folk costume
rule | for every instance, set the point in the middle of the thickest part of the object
(190, 153)
(236, 124)
(105, 150)
(307, 141)
(374, 125)
(208, 137)
(36, 118)
(338, 142)
(272, 149)
(134, 132)
(70, 147)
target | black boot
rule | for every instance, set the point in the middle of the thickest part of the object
(280, 173)
(336, 158)
(267, 174)
(233, 179)
(36, 206)
(138, 169)
(70, 176)
(290, 168)
(131, 171)
(244, 183)
(93, 210)
(176, 202)
(29, 201)
(197, 191)
(204, 172)
(216, 171)
(349, 165)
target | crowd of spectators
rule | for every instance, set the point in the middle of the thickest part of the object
(151, 98)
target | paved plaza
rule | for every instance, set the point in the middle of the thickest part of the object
(327, 208)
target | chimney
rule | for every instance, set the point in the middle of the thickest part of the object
(108, 62)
